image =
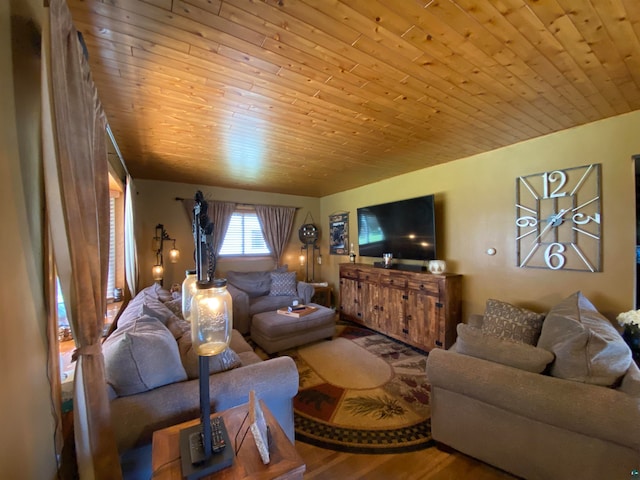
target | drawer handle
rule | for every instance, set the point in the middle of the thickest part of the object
(405, 331)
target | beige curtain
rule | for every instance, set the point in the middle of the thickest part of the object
(77, 195)
(130, 249)
(276, 225)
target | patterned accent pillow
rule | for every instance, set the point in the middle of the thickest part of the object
(283, 284)
(509, 322)
(175, 306)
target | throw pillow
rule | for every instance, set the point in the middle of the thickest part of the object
(142, 356)
(471, 341)
(283, 284)
(587, 346)
(175, 306)
(509, 322)
(256, 284)
(631, 381)
(178, 326)
(226, 360)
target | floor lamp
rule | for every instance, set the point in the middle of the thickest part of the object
(205, 448)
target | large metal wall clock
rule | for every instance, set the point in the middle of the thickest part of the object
(559, 219)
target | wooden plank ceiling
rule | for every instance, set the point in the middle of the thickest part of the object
(313, 97)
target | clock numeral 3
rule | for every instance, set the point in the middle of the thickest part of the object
(579, 218)
(555, 259)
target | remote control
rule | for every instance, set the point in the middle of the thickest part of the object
(217, 438)
(217, 441)
(196, 447)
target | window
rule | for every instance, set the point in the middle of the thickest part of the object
(111, 278)
(244, 236)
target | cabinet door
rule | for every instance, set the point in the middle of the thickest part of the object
(369, 305)
(349, 298)
(391, 311)
(422, 318)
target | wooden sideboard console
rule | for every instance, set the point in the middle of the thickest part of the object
(417, 308)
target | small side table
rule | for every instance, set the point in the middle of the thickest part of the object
(322, 295)
(285, 464)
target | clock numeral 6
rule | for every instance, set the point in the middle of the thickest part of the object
(579, 218)
(554, 259)
(527, 221)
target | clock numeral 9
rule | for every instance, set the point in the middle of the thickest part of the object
(551, 256)
(527, 221)
(552, 177)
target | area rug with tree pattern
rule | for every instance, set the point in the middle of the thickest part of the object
(362, 392)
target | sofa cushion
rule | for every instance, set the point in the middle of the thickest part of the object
(157, 292)
(283, 284)
(631, 381)
(256, 284)
(587, 347)
(471, 341)
(141, 356)
(226, 360)
(509, 322)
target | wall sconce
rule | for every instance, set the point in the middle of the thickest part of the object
(308, 234)
(158, 244)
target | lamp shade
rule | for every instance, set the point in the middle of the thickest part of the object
(211, 317)
(157, 272)
(174, 255)
(188, 292)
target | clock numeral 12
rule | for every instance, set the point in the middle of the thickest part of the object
(552, 177)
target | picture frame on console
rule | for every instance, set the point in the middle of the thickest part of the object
(339, 233)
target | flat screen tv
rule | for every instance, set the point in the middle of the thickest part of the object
(405, 228)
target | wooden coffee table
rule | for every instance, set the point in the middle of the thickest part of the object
(285, 462)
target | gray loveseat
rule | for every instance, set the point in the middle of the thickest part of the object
(258, 292)
(578, 419)
(151, 373)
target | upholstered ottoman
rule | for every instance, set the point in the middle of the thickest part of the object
(275, 332)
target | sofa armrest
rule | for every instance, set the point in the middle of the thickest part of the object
(591, 410)
(135, 417)
(305, 291)
(240, 299)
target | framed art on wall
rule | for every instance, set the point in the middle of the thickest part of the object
(339, 233)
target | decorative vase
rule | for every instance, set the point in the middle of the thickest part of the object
(631, 336)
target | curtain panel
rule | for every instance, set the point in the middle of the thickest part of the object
(276, 223)
(77, 196)
(130, 249)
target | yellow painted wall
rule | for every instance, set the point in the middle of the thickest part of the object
(27, 435)
(155, 203)
(475, 199)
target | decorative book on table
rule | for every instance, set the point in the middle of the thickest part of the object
(297, 311)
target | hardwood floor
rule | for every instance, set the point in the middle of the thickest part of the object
(432, 464)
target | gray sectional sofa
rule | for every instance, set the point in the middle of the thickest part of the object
(263, 291)
(566, 406)
(151, 373)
